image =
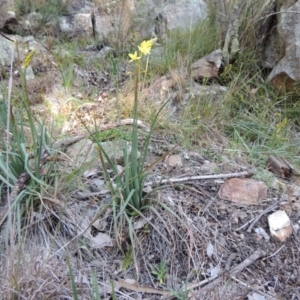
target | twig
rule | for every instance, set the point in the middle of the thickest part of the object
(256, 219)
(245, 225)
(239, 268)
(274, 252)
(140, 288)
(201, 177)
(249, 287)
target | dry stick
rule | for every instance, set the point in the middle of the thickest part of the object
(249, 287)
(84, 195)
(239, 268)
(145, 289)
(256, 219)
(201, 177)
(140, 288)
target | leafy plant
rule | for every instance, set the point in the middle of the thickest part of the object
(128, 192)
(23, 151)
(181, 294)
(160, 271)
(113, 134)
(45, 7)
(128, 259)
(67, 59)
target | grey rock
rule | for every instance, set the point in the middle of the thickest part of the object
(79, 25)
(6, 48)
(286, 71)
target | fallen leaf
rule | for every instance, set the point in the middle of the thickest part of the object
(90, 173)
(210, 249)
(100, 224)
(215, 271)
(256, 296)
(141, 223)
(100, 240)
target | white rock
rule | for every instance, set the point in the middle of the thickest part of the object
(174, 160)
(280, 225)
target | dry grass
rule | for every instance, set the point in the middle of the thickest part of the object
(60, 231)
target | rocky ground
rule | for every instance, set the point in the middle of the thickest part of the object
(202, 244)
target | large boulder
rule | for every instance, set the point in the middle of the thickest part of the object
(5, 7)
(116, 21)
(183, 14)
(156, 17)
(287, 58)
(78, 25)
(113, 20)
(6, 49)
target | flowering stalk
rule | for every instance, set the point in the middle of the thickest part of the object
(135, 176)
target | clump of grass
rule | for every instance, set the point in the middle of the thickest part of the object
(45, 7)
(188, 45)
(24, 151)
(128, 193)
(160, 271)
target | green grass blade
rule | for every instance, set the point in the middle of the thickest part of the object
(72, 278)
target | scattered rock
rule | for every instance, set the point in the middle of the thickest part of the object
(79, 25)
(243, 191)
(208, 66)
(174, 160)
(280, 225)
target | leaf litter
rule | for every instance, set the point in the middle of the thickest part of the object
(193, 260)
(207, 242)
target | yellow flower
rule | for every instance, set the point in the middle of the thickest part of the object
(134, 56)
(146, 46)
(28, 59)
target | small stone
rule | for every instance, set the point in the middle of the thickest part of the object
(280, 225)
(243, 191)
(174, 160)
(208, 66)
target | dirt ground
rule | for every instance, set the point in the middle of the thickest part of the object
(209, 245)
